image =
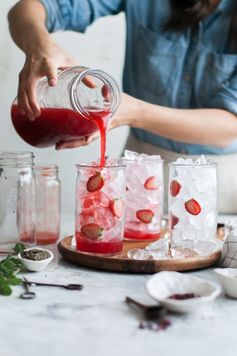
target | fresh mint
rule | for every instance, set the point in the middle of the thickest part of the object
(9, 267)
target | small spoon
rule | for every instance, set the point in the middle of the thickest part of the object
(66, 286)
(27, 294)
(151, 312)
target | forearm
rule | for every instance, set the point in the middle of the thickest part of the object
(27, 26)
(198, 126)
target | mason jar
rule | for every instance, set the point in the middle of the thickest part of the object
(47, 204)
(76, 107)
(17, 198)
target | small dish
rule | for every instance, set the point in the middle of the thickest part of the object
(228, 280)
(36, 266)
(165, 284)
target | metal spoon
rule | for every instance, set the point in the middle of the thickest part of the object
(27, 294)
(66, 286)
(151, 312)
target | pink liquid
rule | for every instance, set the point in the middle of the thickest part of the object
(110, 247)
(45, 238)
(140, 235)
(57, 124)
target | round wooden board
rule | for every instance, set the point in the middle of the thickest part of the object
(121, 263)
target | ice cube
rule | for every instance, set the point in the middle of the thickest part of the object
(182, 252)
(138, 254)
(162, 244)
(204, 248)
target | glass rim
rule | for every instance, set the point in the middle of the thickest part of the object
(16, 154)
(143, 160)
(213, 164)
(97, 166)
(46, 166)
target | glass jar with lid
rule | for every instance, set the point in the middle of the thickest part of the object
(47, 204)
(82, 101)
(17, 198)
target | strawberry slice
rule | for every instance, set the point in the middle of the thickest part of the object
(92, 231)
(117, 207)
(95, 182)
(175, 187)
(192, 207)
(145, 215)
(173, 221)
(151, 183)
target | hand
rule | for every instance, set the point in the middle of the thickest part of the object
(38, 64)
(125, 115)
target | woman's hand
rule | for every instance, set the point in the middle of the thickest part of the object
(126, 114)
(40, 63)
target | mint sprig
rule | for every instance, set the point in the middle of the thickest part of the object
(9, 267)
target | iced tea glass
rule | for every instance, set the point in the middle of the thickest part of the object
(144, 198)
(193, 204)
(100, 208)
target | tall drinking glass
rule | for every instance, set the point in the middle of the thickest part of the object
(144, 198)
(100, 208)
(193, 205)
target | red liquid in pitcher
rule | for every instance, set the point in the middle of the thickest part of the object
(58, 124)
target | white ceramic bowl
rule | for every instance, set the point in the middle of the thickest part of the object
(36, 266)
(228, 279)
(164, 284)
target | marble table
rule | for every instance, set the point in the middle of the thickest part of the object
(97, 321)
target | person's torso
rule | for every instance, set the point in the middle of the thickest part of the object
(179, 70)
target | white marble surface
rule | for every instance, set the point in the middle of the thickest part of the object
(97, 321)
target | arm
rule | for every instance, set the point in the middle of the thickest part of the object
(215, 127)
(30, 21)
(43, 57)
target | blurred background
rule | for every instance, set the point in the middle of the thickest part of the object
(102, 46)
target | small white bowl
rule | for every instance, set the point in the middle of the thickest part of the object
(164, 284)
(228, 279)
(36, 266)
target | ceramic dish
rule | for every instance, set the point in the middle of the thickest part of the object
(228, 279)
(165, 284)
(36, 266)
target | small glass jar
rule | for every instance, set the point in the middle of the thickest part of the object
(47, 204)
(74, 108)
(17, 198)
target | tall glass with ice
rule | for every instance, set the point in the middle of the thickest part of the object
(144, 196)
(100, 208)
(193, 204)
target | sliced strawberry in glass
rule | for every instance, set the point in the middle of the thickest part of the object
(117, 207)
(175, 187)
(145, 215)
(92, 231)
(95, 182)
(192, 207)
(151, 183)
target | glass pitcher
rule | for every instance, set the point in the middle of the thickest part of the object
(74, 108)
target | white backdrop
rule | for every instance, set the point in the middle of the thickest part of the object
(102, 47)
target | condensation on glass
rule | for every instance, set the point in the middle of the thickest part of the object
(17, 198)
(47, 206)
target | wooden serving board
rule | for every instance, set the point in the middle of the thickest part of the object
(121, 263)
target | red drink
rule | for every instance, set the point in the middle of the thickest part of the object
(135, 234)
(111, 247)
(45, 238)
(100, 209)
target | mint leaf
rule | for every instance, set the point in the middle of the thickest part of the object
(19, 247)
(9, 267)
(13, 280)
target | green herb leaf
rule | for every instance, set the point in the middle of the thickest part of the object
(5, 289)
(9, 267)
(13, 280)
(19, 247)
